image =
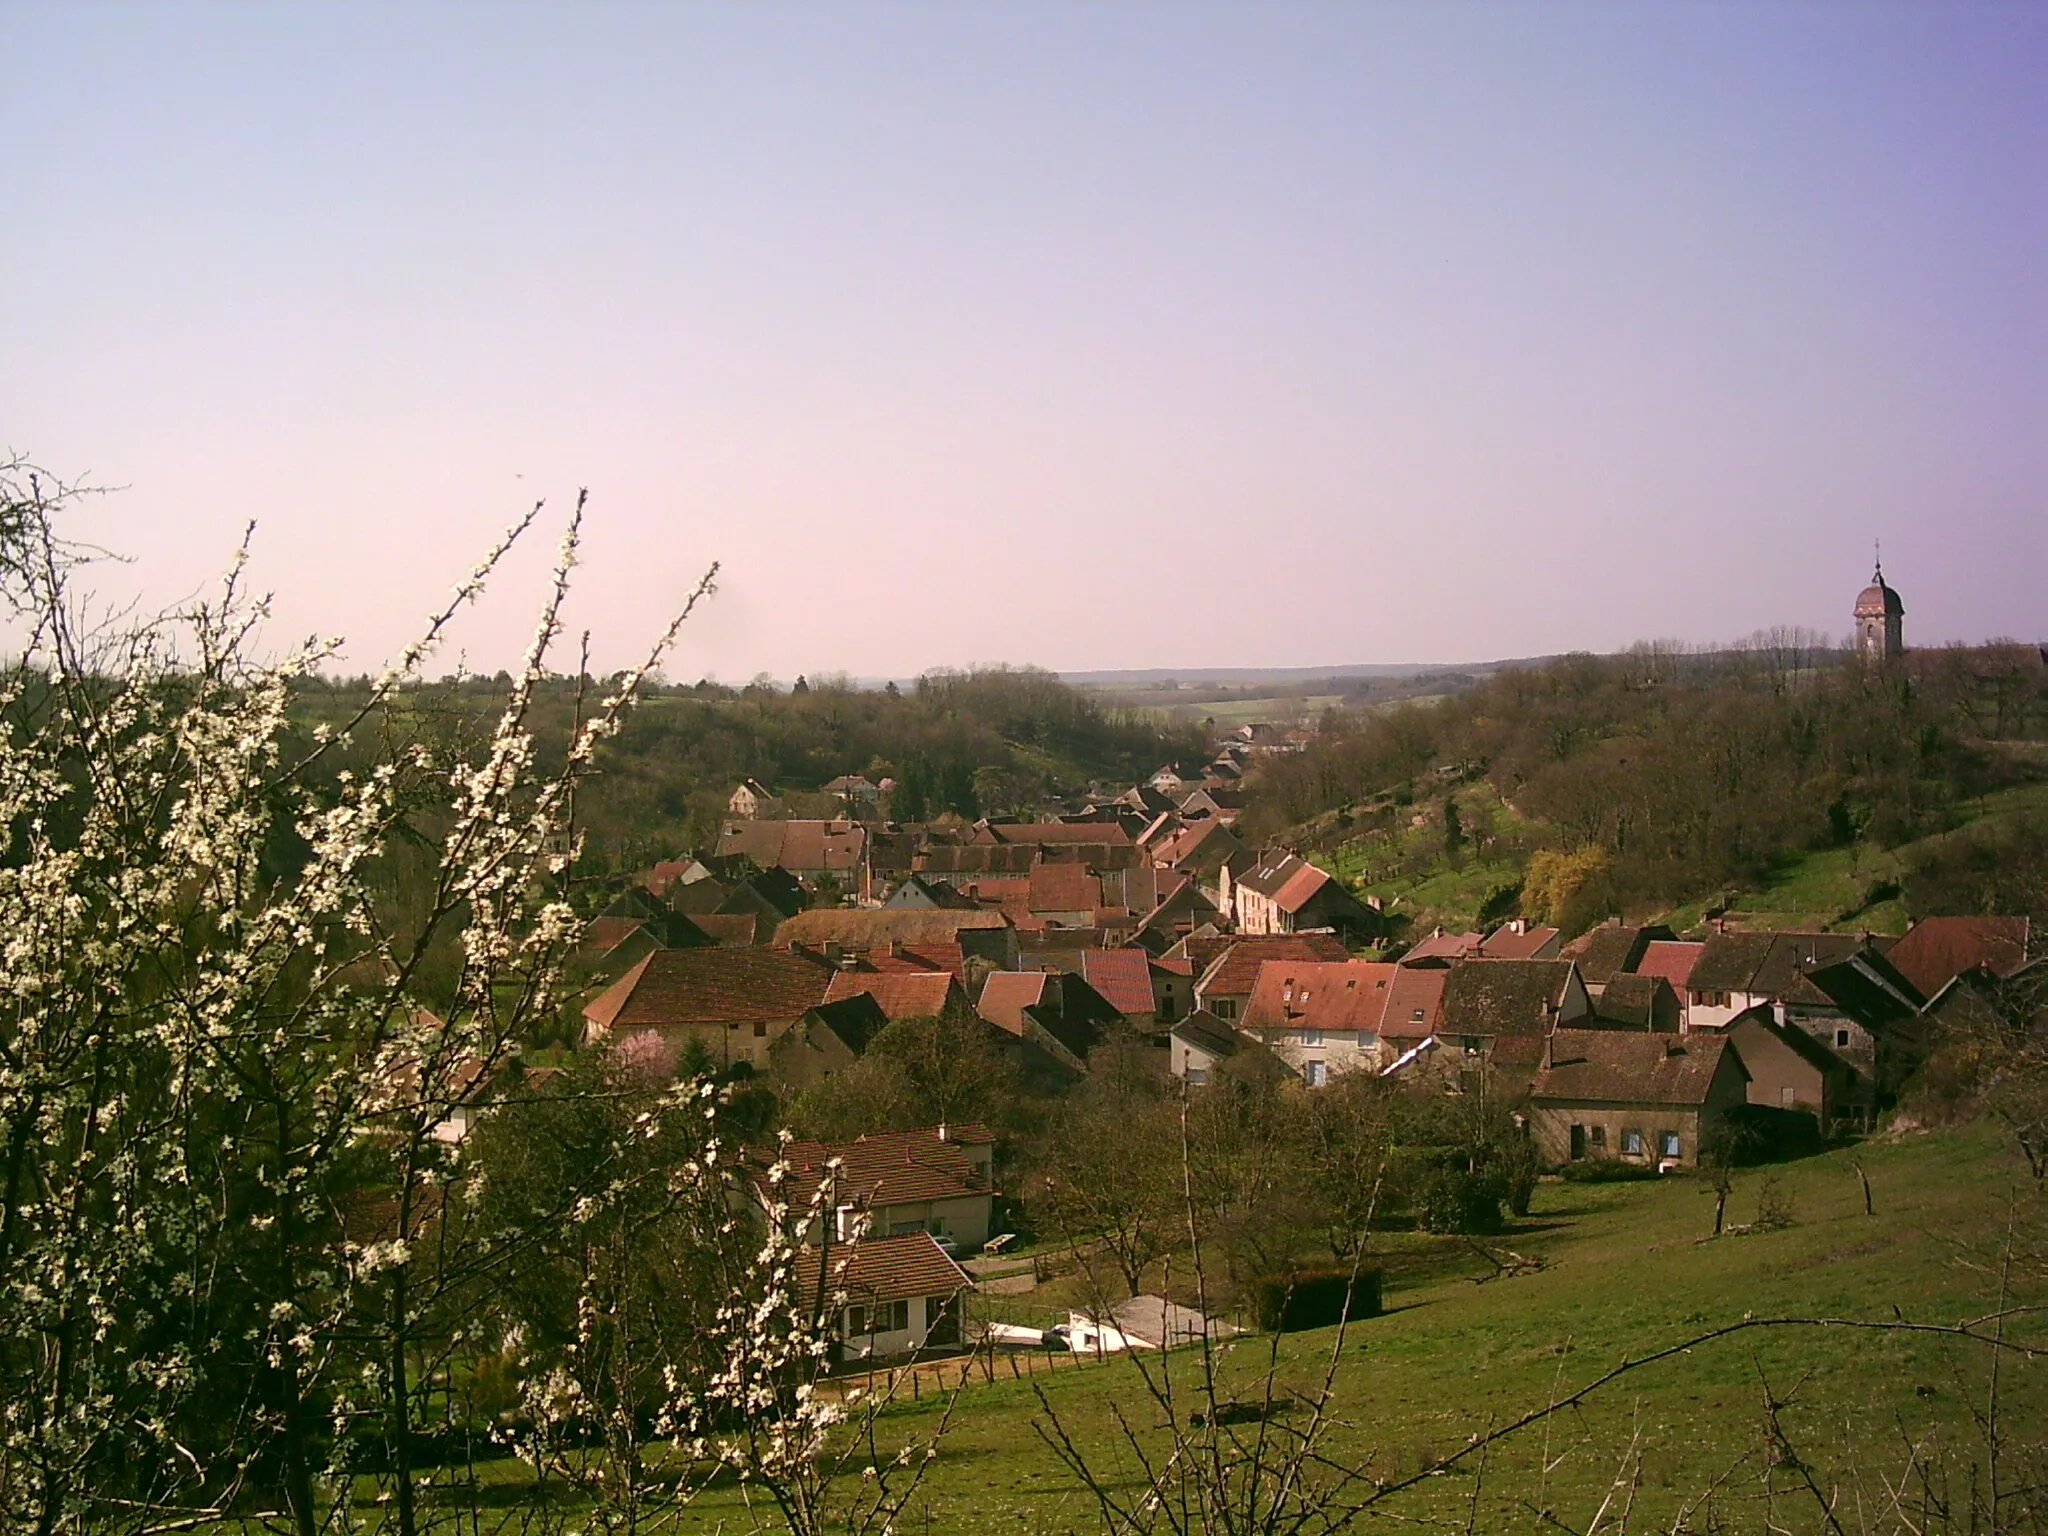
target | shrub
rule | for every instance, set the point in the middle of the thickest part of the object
(1607, 1170)
(1314, 1298)
(1454, 1200)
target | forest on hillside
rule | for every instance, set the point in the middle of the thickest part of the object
(1658, 774)
(988, 741)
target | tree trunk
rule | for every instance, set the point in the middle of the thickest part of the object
(401, 1408)
(298, 1470)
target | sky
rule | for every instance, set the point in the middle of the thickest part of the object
(1077, 335)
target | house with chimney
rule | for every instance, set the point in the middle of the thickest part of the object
(1322, 1018)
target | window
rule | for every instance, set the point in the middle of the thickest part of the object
(1315, 1074)
(1631, 1143)
(1474, 1045)
(1197, 1076)
(1600, 1136)
(1416, 1015)
(1788, 1097)
(1668, 1144)
(1841, 1038)
(904, 1228)
(1224, 1007)
(1366, 1039)
(1311, 1037)
(889, 1317)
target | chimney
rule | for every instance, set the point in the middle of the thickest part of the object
(944, 1134)
(832, 950)
(1550, 1048)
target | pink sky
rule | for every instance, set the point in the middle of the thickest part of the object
(1089, 336)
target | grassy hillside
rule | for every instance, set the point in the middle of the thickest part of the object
(1776, 779)
(1843, 889)
(1626, 1271)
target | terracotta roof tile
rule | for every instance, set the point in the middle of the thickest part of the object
(1936, 950)
(1341, 996)
(1124, 976)
(899, 994)
(1006, 994)
(882, 1269)
(890, 1167)
(1507, 943)
(683, 988)
(1415, 1002)
(1672, 959)
(1234, 969)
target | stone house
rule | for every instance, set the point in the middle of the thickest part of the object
(1642, 1098)
(1789, 1069)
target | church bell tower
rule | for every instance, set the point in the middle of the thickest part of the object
(1880, 620)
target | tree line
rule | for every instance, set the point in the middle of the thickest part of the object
(1693, 771)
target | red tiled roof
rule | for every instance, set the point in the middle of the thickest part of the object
(795, 845)
(1936, 950)
(681, 988)
(881, 1269)
(1504, 943)
(1005, 996)
(891, 1167)
(1232, 973)
(1342, 996)
(1442, 946)
(1063, 888)
(899, 994)
(902, 959)
(1299, 887)
(1416, 989)
(1672, 959)
(602, 935)
(1124, 976)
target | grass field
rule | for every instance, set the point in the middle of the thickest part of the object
(1626, 1272)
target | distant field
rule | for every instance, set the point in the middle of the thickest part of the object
(1626, 1271)
(1165, 705)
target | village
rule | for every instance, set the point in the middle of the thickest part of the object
(1142, 918)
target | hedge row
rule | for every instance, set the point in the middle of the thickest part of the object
(1314, 1298)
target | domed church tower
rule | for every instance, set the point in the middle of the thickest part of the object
(1880, 620)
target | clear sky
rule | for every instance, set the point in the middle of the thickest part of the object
(1085, 335)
